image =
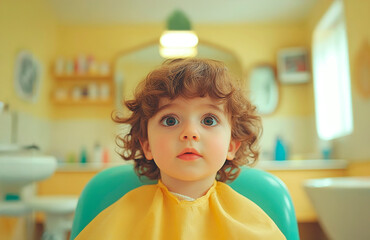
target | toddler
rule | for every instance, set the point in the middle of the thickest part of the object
(191, 129)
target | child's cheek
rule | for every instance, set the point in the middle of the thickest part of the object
(218, 145)
(162, 145)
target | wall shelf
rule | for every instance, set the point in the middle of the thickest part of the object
(82, 89)
(83, 101)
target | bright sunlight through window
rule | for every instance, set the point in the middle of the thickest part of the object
(332, 85)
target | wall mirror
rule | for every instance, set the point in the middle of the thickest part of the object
(131, 67)
(263, 89)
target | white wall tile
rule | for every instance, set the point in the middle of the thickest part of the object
(299, 134)
(5, 128)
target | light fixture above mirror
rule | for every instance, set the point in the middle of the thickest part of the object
(178, 40)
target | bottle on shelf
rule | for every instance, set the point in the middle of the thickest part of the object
(83, 156)
(105, 156)
(281, 150)
(97, 159)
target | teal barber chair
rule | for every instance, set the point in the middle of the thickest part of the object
(263, 188)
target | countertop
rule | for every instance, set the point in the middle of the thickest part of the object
(302, 164)
(263, 164)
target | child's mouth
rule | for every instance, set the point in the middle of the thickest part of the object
(188, 156)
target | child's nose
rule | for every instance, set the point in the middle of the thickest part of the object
(190, 133)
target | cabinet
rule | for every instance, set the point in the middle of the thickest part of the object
(83, 89)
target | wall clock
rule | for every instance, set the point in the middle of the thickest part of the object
(27, 76)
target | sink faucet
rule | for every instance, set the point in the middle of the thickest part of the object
(3, 106)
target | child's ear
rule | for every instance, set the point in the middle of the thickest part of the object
(233, 148)
(146, 149)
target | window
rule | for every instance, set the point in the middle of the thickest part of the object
(332, 83)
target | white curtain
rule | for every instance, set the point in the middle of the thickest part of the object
(332, 85)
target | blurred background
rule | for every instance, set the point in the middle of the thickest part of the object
(66, 65)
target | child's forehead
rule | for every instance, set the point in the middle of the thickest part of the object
(181, 99)
(181, 102)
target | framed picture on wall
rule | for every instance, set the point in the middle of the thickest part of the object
(293, 66)
(27, 76)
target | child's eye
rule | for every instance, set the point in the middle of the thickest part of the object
(169, 121)
(210, 120)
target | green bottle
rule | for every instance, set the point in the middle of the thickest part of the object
(83, 156)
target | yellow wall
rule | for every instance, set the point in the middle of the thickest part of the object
(358, 31)
(34, 27)
(357, 18)
(26, 26)
(259, 43)
(38, 32)
(105, 41)
(252, 44)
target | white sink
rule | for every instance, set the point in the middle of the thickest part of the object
(16, 171)
(342, 205)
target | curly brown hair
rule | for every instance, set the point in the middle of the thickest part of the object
(190, 78)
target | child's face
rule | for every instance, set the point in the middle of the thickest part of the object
(190, 139)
